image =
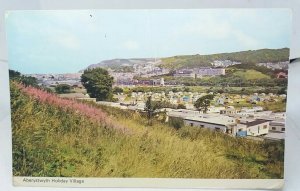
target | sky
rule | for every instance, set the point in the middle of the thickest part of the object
(68, 41)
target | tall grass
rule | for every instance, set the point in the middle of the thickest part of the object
(70, 104)
(57, 137)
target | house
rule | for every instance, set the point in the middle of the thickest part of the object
(213, 109)
(220, 101)
(277, 126)
(253, 128)
(185, 73)
(219, 123)
(183, 113)
(229, 111)
(209, 72)
(186, 99)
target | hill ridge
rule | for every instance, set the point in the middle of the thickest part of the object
(197, 60)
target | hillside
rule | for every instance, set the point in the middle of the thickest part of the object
(192, 61)
(54, 137)
(122, 64)
(245, 57)
(250, 75)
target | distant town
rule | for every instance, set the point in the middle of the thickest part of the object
(150, 69)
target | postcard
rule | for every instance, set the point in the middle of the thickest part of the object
(183, 98)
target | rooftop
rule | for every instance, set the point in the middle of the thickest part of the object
(219, 120)
(256, 122)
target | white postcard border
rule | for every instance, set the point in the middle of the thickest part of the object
(148, 183)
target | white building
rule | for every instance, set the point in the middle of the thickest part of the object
(185, 73)
(223, 124)
(209, 72)
(213, 109)
(254, 128)
(183, 113)
(277, 126)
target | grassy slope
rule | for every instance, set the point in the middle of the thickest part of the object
(247, 57)
(251, 75)
(51, 141)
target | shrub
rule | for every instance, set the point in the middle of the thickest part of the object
(175, 122)
(63, 88)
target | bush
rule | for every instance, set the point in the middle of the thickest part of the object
(117, 90)
(63, 88)
(181, 106)
(175, 122)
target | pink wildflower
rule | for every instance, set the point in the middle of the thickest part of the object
(93, 113)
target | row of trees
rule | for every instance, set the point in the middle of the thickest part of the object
(25, 80)
(32, 81)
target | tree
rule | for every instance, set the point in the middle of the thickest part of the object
(29, 81)
(117, 90)
(14, 74)
(176, 122)
(186, 89)
(203, 102)
(63, 88)
(181, 106)
(98, 83)
(25, 80)
(151, 107)
(282, 90)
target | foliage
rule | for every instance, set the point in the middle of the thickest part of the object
(63, 88)
(181, 106)
(94, 114)
(25, 80)
(235, 77)
(14, 75)
(203, 102)
(98, 83)
(283, 90)
(151, 107)
(250, 75)
(176, 122)
(54, 137)
(117, 90)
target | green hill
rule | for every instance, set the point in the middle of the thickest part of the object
(245, 57)
(250, 75)
(55, 137)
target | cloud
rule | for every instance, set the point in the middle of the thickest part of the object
(207, 26)
(131, 45)
(246, 40)
(66, 40)
(220, 27)
(208, 29)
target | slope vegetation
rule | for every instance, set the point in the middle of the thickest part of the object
(57, 137)
(245, 57)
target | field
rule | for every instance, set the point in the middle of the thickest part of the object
(65, 138)
(251, 75)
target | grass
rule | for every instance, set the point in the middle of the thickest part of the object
(251, 74)
(55, 140)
